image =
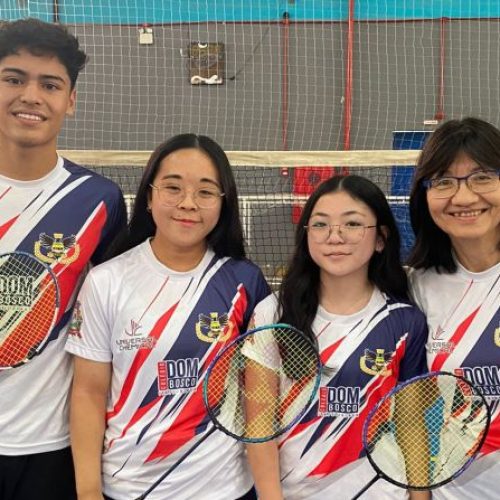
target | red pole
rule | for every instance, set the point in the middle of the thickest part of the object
(440, 101)
(349, 78)
(284, 82)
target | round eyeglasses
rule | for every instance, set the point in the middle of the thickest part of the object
(350, 233)
(479, 182)
(171, 195)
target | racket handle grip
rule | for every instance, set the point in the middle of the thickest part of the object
(368, 485)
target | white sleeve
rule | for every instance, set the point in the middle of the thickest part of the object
(266, 311)
(92, 339)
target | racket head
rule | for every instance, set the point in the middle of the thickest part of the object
(29, 305)
(261, 383)
(426, 431)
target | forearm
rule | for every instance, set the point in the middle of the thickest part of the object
(420, 495)
(264, 464)
(87, 426)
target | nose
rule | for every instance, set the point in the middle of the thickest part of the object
(335, 235)
(31, 93)
(187, 201)
(464, 194)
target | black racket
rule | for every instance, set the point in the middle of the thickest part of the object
(426, 431)
(29, 305)
(258, 386)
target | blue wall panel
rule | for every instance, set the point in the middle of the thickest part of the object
(175, 11)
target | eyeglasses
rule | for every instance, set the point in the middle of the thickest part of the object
(350, 233)
(482, 181)
(172, 194)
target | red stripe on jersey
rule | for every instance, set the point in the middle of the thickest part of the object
(441, 357)
(349, 446)
(5, 227)
(68, 275)
(325, 355)
(139, 360)
(184, 427)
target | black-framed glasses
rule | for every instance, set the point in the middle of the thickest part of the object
(172, 194)
(350, 233)
(479, 182)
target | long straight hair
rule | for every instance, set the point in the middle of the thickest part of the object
(226, 238)
(477, 139)
(299, 292)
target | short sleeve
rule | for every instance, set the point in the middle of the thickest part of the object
(90, 329)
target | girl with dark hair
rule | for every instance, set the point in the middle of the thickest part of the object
(455, 273)
(346, 289)
(148, 323)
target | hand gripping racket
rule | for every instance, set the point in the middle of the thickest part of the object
(258, 386)
(426, 431)
(29, 305)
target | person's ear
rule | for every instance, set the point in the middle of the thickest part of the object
(382, 235)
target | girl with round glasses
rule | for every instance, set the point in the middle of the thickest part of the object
(149, 322)
(346, 289)
(455, 275)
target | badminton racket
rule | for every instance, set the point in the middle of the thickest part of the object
(258, 386)
(426, 431)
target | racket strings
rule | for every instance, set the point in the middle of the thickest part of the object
(260, 385)
(28, 304)
(427, 432)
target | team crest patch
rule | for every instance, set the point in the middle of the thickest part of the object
(214, 328)
(57, 248)
(496, 336)
(75, 324)
(375, 362)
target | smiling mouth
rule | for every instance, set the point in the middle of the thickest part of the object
(468, 214)
(29, 116)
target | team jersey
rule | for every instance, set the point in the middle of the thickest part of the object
(365, 355)
(463, 314)
(160, 329)
(66, 220)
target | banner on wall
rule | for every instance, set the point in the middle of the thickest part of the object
(305, 181)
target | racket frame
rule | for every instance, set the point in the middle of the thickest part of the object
(397, 389)
(240, 340)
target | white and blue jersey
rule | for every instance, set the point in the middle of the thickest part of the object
(160, 329)
(463, 313)
(365, 355)
(66, 219)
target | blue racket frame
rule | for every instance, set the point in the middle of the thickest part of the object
(397, 389)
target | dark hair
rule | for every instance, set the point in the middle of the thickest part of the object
(299, 291)
(226, 238)
(477, 139)
(43, 39)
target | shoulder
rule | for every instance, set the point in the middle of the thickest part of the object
(118, 267)
(104, 184)
(266, 310)
(245, 270)
(405, 310)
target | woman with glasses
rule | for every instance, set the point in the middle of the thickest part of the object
(455, 276)
(146, 326)
(346, 289)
